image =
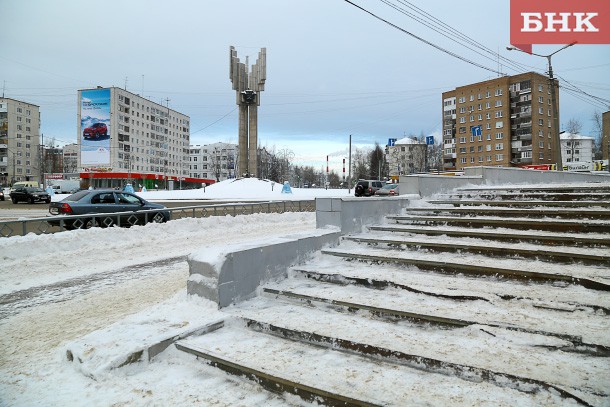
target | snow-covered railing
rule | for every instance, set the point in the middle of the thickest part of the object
(23, 226)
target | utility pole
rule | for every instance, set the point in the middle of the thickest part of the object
(556, 137)
(349, 173)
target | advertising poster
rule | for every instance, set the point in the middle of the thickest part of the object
(95, 127)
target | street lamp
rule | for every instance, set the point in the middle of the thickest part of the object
(553, 100)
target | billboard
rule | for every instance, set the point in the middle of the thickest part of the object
(95, 127)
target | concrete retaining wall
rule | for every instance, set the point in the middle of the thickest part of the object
(351, 214)
(428, 185)
(235, 273)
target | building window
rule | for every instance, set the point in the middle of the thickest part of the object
(480, 117)
(471, 98)
(499, 146)
(540, 99)
(540, 88)
(499, 136)
(488, 126)
(488, 136)
(488, 147)
(498, 92)
(540, 122)
(472, 160)
(498, 103)
(541, 144)
(462, 119)
(462, 100)
(499, 125)
(463, 160)
(462, 139)
(499, 157)
(499, 113)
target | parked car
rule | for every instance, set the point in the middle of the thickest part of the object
(388, 190)
(367, 187)
(95, 131)
(30, 195)
(105, 202)
(1, 194)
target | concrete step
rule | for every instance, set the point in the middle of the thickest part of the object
(544, 196)
(522, 204)
(540, 213)
(557, 296)
(597, 278)
(596, 257)
(582, 226)
(494, 356)
(339, 377)
(396, 305)
(501, 234)
(571, 188)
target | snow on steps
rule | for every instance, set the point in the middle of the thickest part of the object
(376, 331)
(343, 377)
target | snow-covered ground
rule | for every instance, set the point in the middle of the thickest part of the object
(55, 289)
(102, 291)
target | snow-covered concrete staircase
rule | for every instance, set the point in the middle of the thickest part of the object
(455, 302)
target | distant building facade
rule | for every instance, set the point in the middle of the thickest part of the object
(576, 148)
(71, 158)
(406, 156)
(19, 142)
(216, 161)
(125, 137)
(505, 122)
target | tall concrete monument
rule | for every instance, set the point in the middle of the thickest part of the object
(247, 86)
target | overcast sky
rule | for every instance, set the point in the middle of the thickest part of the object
(332, 69)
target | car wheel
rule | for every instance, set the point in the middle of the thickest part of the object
(14, 200)
(48, 201)
(31, 201)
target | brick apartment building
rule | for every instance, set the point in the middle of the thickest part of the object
(505, 122)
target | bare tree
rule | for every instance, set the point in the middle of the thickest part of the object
(574, 126)
(598, 133)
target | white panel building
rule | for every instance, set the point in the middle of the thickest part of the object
(215, 161)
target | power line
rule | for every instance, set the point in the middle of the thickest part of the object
(424, 40)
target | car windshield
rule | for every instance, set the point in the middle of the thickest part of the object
(34, 189)
(390, 186)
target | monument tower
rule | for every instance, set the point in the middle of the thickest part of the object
(247, 86)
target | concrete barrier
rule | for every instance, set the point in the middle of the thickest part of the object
(234, 273)
(426, 185)
(351, 214)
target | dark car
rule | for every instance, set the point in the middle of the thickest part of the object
(30, 195)
(105, 204)
(388, 190)
(95, 131)
(1, 195)
(367, 187)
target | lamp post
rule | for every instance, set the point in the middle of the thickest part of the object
(553, 101)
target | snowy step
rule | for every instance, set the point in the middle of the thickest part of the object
(544, 213)
(587, 276)
(503, 234)
(545, 196)
(470, 353)
(588, 332)
(560, 297)
(597, 257)
(581, 226)
(566, 188)
(523, 204)
(319, 374)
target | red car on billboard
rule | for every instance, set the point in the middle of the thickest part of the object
(95, 131)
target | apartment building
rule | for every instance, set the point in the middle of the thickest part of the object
(19, 142)
(123, 136)
(216, 161)
(505, 122)
(576, 148)
(406, 156)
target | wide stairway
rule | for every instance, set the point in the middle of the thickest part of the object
(478, 297)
